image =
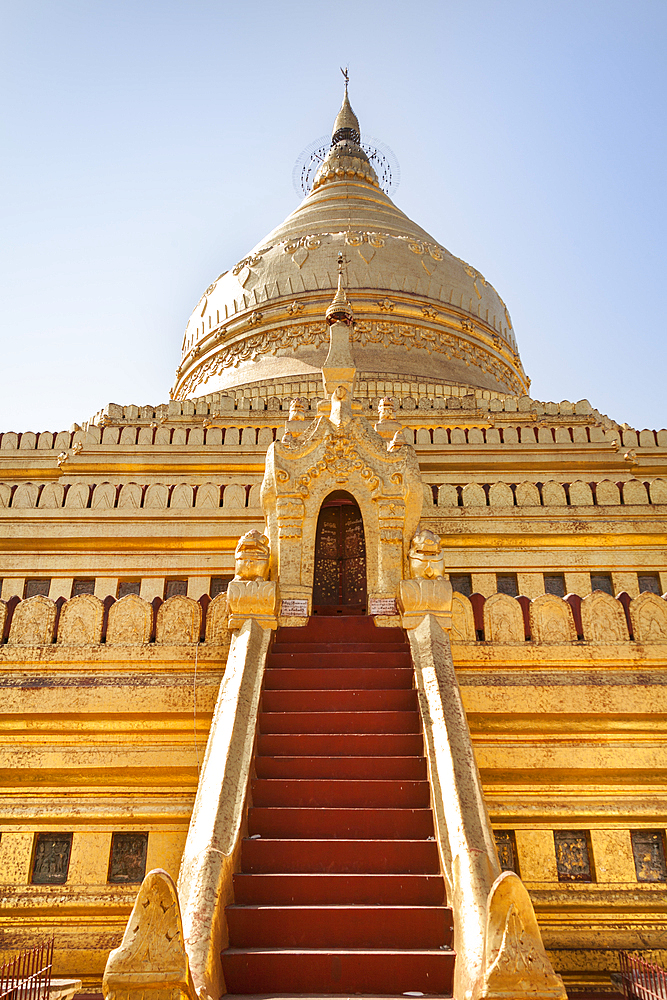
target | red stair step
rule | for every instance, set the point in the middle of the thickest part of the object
(341, 824)
(338, 926)
(407, 890)
(338, 679)
(277, 661)
(339, 647)
(301, 700)
(339, 722)
(341, 767)
(277, 970)
(340, 745)
(341, 629)
(344, 792)
(363, 856)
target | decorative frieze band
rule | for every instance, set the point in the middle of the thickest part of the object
(430, 338)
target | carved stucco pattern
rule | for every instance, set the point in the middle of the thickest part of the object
(387, 334)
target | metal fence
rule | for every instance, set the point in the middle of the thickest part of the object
(642, 980)
(27, 976)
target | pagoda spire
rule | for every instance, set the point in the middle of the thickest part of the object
(339, 369)
(346, 126)
(340, 310)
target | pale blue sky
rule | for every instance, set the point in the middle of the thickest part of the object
(148, 145)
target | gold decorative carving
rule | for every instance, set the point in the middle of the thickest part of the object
(217, 617)
(252, 556)
(294, 308)
(420, 597)
(254, 599)
(603, 619)
(340, 459)
(130, 621)
(297, 410)
(463, 619)
(430, 313)
(33, 622)
(151, 960)
(255, 317)
(80, 622)
(386, 305)
(551, 620)
(251, 261)
(648, 614)
(425, 557)
(178, 621)
(515, 962)
(409, 336)
(503, 619)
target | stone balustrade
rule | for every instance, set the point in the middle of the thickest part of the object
(238, 496)
(130, 496)
(597, 618)
(605, 493)
(86, 620)
(426, 433)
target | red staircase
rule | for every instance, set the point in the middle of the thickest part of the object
(340, 889)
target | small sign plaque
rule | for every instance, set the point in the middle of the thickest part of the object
(294, 609)
(383, 606)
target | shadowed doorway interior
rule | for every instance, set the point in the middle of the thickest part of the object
(339, 584)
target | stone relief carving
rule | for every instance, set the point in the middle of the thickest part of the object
(500, 495)
(217, 620)
(648, 614)
(78, 495)
(658, 490)
(463, 619)
(130, 621)
(580, 494)
(33, 622)
(553, 495)
(181, 496)
(25, 496)
(151, 959)
(252, 598)
(425, 556)
(130, 495)
(551, 620)
(178, 621)
(603, 619)
(428, 592)
(251, 557)
(51, 497)
(208, 495)
(80, 622)
(234, 496)
(104, 496)
(157, 496)
(515, 962)
(406, 335)
(503, 619)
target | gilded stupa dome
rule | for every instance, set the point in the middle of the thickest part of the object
(419, 311)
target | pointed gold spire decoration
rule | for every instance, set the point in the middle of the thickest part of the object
(346, 159)
(340, 310)
(346, 126)
(339, 369)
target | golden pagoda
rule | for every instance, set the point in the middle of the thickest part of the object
(349, 465)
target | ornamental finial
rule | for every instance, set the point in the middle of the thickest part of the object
(346, 127)
(340, 310)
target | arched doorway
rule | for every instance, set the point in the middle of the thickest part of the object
(339, 581)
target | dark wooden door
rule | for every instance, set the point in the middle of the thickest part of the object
(340, 557)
